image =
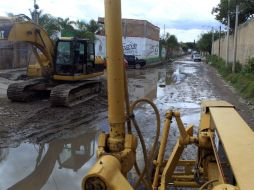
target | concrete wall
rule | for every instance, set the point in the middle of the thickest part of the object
(245, 44)
(140, 47)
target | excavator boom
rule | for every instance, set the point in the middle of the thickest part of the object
(33, 34)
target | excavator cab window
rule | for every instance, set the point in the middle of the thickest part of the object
(74, 57)
(79, 57)
(64, 63)
(90, 57)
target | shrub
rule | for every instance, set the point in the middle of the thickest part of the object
(219, 64)
(242, 80)
(249, 67)
(154, 59)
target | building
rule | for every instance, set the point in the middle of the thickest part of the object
(140, 38)
(12, 54)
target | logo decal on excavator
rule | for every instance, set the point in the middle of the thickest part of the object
(1, 34)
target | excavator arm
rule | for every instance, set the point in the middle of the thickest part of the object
(34, 34)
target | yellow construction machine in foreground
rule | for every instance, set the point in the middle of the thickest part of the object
(62, 68)
(225, 143)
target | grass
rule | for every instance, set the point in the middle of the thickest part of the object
(153, 60)
(242, 80)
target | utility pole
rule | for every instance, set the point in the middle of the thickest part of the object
(164, 35)
(35, 13)
(228, 29)
(235, 37)
(219, 41)
(212, 41)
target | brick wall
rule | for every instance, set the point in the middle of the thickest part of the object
(137, 28)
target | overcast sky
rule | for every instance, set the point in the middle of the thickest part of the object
(187, 19)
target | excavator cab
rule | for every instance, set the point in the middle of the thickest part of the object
(76, 58)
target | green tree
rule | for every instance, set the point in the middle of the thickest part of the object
(86, 30)
(205, 41)
(49, 23)
(191, 45)
(184, 46)
(93, 26)
(171, 44)
(221, 11)
(81, 25)
(18, 18)
(66, 27)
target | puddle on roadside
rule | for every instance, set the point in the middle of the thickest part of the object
(181, 71)
(60, 164)
(177, 75)
(148, 83)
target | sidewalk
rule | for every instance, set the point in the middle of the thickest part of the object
(154, 64)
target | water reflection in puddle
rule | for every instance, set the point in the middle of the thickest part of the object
(142, 84)
(60, 164)
(149, 83)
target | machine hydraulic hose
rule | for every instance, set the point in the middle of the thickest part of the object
(148, 159)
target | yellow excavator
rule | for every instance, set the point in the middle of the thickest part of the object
(225, 143)
(63, 70)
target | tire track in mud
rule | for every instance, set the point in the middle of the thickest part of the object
(47, 123)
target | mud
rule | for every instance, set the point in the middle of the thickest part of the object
(42, 147)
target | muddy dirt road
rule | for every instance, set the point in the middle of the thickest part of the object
(52, 148)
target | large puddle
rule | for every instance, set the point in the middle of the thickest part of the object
(62, 163)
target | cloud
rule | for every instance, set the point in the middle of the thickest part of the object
(178, 15)
(185, 35)
(187, 24)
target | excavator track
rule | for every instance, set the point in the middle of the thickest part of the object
(22, 92)
(72, 94)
